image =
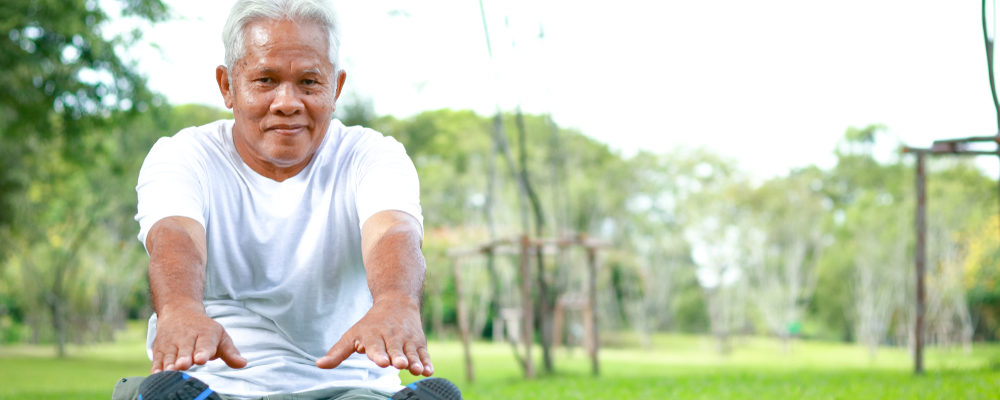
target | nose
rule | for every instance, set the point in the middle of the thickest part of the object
(286, 100)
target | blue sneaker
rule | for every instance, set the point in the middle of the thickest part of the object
(429, 389)
(175, 385)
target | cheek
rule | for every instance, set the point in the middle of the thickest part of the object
(320, 103)
(252, 102)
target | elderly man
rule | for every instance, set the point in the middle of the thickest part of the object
(284, 247)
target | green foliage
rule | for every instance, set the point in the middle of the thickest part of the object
(62, 77)
(865, 197)
(872, 208)
(982, 277)
(68, 92)
(449, 149)
(688, 307)
(75, 270)
(58, 60)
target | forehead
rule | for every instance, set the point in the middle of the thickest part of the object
(275, 44)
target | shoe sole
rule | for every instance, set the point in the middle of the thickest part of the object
(175, 385)
(429, 389)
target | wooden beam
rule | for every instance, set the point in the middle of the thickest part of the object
(463, 320)
(594, 344)
(527, 308)
(970, 139)
(921, 255)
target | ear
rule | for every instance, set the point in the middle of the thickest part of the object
(222, 77)
(341, 78)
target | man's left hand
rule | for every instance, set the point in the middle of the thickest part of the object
(389, 334)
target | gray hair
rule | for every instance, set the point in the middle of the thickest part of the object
(245, 12)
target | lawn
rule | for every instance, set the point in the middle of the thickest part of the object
(674, 367)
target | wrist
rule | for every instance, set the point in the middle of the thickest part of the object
(180, 307)
(397, 300)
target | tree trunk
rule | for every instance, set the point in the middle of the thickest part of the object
(59, 326)
(546, 302)
(500, 147)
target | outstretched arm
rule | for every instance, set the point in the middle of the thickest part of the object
(391, 332)
(185, 335)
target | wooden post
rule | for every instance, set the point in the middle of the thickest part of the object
(920, 256)
(463, 320)
(958, 146)
(557, 324)
(527, 307)
(592, 309)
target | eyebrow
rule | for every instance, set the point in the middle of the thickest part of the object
(269, 70)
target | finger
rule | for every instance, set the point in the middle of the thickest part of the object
(157, 362)
(396, 356)
(425, 358)
(229, 353)
(416, 367)
(205, 349)
(394, 348)
(337, 354)
(375, 350)
(168, 359)
(184, 358)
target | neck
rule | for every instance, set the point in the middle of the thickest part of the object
(270, 170)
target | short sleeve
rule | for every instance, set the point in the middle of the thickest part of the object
(170, 184)
(387, 179)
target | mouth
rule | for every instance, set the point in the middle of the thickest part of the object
(287, 129)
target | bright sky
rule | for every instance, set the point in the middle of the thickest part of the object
(771, 83)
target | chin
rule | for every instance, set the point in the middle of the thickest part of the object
(287, 160)
(284, 156)
(288, 150)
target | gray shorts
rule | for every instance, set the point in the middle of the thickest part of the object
(128, 389)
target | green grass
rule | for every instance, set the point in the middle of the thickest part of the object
(687, 367)
(674, 367)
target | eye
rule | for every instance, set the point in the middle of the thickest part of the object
(308, 82)
(263, 80)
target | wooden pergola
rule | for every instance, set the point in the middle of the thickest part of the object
(961, 147)
(525, 248)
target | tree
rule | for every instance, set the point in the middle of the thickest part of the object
(865, 288)
(790, 215)
(852, 187)
(723, 240)
(880, 241)
(75, 268)
(62, 76)
(960, 200)
(981, 277)
(65, 82)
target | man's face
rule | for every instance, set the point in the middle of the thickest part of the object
(283, 94)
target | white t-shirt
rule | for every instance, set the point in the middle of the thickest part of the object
(284, 273)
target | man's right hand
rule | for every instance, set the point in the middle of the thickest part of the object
(186, 336)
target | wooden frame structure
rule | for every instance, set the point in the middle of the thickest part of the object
(526, 248)
(959, 146)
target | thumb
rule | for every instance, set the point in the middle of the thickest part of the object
(338, 353)
(229, 353)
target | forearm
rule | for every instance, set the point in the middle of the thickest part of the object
(391, 332)
(393, 261)
(177, 258)
(185, 335)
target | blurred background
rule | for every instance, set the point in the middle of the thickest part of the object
(713, 193)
